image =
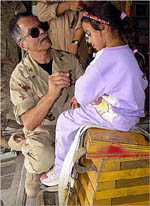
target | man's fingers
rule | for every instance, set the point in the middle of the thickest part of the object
(59, 83)
(59, 80)
(62, 86)
(61, 74)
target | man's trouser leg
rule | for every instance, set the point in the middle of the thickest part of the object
(39, 158)
(38, 149)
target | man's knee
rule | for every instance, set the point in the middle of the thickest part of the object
(38, 149)
(39, 153)
(39, 163)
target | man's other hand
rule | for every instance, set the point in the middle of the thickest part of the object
(73, 103)
(75, 5)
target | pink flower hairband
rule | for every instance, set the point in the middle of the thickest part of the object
(91, 16)
(123, 15)
(135, 51)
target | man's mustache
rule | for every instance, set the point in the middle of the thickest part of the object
(43, 36)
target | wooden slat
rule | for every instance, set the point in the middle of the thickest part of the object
(96, 134)
(131, 200)
(145, 203)
(116, 150)
(124, 174)
(103, 186)
(93, 179)
(81, 193)
(144, 163)
(87, 202)
(87, 188)
(132, 182)
(115, 164)
(109, 165)
(102, 202)
(81, 198)
(132, 159)
(123, 192)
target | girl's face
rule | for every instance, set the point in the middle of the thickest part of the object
(95, 37)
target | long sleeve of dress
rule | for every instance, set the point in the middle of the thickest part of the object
(89, 86)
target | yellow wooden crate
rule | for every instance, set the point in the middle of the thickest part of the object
(122, 171)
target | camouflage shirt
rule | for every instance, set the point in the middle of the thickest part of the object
(29, 82)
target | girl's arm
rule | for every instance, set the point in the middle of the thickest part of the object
(89, 86)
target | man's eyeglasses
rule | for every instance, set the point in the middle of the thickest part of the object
(34, 32)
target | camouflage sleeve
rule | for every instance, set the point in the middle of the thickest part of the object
(79, 71)
(21, 94)
(78, 24)
(46, 11)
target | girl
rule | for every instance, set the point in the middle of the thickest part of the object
(111, 92)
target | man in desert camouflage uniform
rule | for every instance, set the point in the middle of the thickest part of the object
(41, 87)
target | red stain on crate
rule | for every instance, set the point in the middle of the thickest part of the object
(112, 151)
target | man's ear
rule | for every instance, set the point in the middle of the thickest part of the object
(22, 46)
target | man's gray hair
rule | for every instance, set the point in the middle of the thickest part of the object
(14, 28)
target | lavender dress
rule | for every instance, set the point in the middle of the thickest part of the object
(111, 94)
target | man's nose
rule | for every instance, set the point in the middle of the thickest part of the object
(42, 31)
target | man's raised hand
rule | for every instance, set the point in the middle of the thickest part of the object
(57, 82)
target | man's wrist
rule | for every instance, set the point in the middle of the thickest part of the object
(76, 42)
(49, 98)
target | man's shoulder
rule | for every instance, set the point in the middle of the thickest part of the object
(20, 67)
(65, 61)
(64, 56)
(60, 53)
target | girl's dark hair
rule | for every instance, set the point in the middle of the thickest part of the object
(141, 60)
(108, 12)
